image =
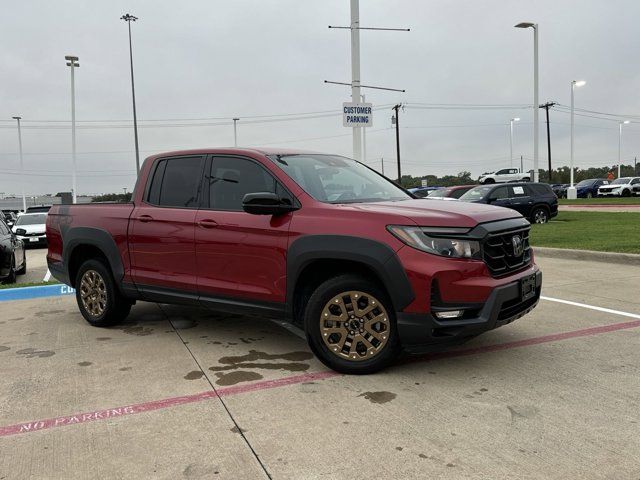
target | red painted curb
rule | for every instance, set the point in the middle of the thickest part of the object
(134, 409)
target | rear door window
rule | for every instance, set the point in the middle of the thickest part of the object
(176, 182)
(518, 191)
(500, 193)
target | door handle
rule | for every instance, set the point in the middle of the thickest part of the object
(207, 223)
(145, 218)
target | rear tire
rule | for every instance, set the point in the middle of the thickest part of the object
(539, 215)
(99, 300)
(351, 326)
(23, 269)
(526, 179)
(626, 193)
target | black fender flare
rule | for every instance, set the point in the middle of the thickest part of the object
(95, 237)
(377, 256)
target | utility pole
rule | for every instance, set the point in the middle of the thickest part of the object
(22, 180)
(382, 165)
(547, 106)
(521, 165)
(397, 117)
(73, 63)
(635, 166)
(355, 72)
(130, 18)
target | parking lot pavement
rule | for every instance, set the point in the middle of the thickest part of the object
(36, 265)
(553, 395)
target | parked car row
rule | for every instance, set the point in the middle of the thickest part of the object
(621, 187)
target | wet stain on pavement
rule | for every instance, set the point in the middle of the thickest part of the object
(378, 397)
(85, 364)
(237, 430)
(250, 360)
(32, 352)
(50, 312)
(15, 319)
(193, 375)
(125, 369)
(4, 349)
(103, 339)
(236, 377)
(399, 449)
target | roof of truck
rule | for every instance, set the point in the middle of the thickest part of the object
(237, 151)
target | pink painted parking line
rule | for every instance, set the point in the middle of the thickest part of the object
(134, 409)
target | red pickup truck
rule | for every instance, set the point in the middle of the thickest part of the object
(322, 240)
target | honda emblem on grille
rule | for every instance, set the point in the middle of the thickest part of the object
(518, 248)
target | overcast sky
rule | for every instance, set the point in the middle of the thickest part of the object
(215, 60)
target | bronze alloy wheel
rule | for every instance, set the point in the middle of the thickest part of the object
(93, 292)
(354, 326)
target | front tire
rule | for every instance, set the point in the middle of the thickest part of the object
(350, 325)
(626, 193)
(11, 277)
(99, 300)
(489, 180)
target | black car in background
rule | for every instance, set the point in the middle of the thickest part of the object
(535, 201)
(12, 257)
(560, 189)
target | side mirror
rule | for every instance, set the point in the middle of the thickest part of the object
(20, 231)
(266, 203)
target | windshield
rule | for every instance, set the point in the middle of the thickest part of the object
(334, 179)
(37, 219)
(620, 181)
(477, 193)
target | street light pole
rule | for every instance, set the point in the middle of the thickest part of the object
(571, 191)
(24, 199)
(397, 117)
(511, 138)
(73, 63)
(235, 132)
(130, 18)
(620, 146)
(536, 128)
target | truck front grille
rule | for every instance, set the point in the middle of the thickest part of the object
(501, 251)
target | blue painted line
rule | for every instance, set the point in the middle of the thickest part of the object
(26, 293)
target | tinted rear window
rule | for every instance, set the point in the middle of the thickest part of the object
(175, 182)
(540, 188)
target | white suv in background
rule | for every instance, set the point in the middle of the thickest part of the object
(621, 187)
(505, 175)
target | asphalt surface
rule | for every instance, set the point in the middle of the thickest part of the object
(36, 265)
(183, 393)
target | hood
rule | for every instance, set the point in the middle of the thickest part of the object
(431, 213)
(37, 228)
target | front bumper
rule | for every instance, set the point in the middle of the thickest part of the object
(614, 193)
(421, 332)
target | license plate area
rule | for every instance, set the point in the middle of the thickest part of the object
(528, 287)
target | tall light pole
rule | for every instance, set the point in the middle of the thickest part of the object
(235, 132)
(364, 137)
(73, 63)
(535, 96)
(571, 191)
(516, 119)
(24, 199)
(130, 18)
(620, 146)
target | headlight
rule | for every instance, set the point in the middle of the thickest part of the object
(435, 241)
